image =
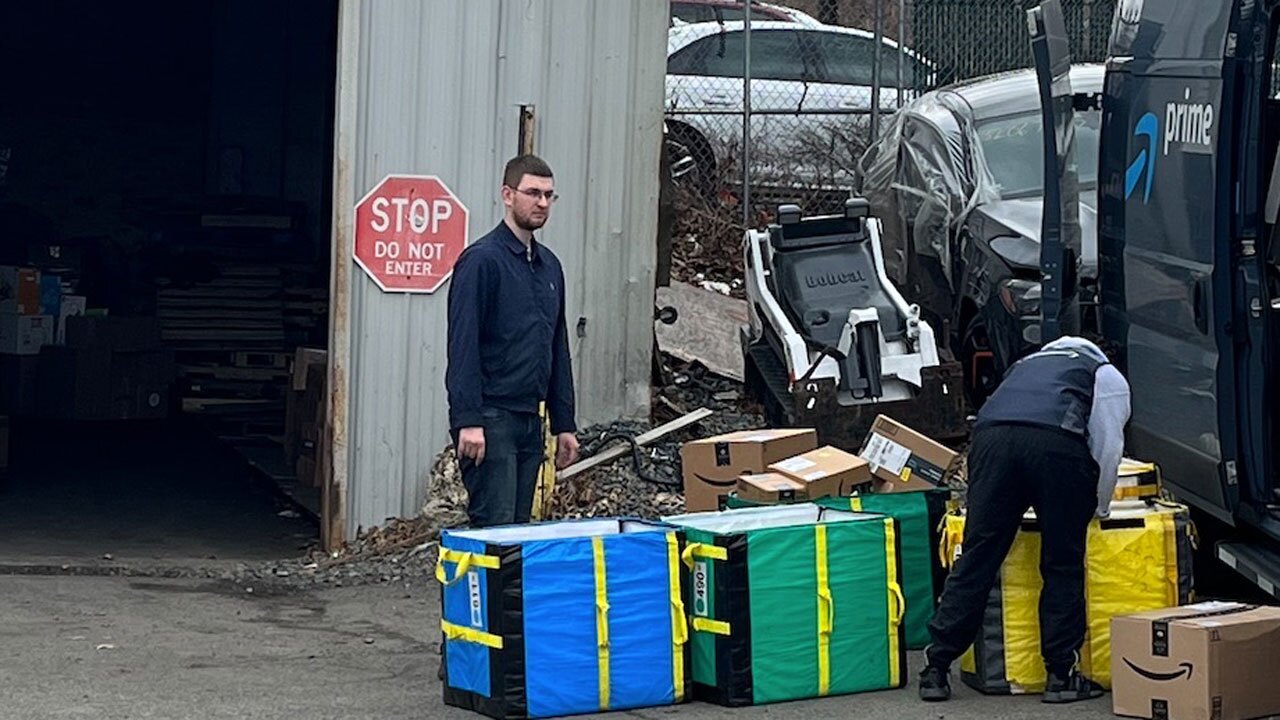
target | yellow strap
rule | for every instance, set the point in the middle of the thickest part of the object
(464, 561)
(899, 608)
(950, 537)
(896, 605)
(602, 620)
(1170, 554)
(679, 628)
(855, 504)
(459, 633)
(707, 625)
(702, 550)
(546, 484)
(1135, 491)
(826, 611)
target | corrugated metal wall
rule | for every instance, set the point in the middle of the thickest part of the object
(439, 85)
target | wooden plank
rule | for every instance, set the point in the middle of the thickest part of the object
(269, 222)
(642, 440)
(202, 404)
(165, 300)
(220, 334)
(261, 359)
(705, 330)
(235, 373)
(262, 293)
(303, 359)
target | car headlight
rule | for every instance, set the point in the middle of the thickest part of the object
(1018, 252)
(1020, 297)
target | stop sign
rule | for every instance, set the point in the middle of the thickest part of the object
(410, 230)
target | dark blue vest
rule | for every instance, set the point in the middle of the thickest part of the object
(1051, 389)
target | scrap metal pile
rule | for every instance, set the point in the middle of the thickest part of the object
(643, 482)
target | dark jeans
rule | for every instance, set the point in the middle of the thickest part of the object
(1012, 468)
(500, 489)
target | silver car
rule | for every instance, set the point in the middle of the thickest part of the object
(811, 89)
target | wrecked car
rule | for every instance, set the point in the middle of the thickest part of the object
(957, 178)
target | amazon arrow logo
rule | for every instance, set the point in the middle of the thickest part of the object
(1145, 164)
(717, 483)
(1184, 669)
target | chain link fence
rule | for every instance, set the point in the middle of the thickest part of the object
(824, 75)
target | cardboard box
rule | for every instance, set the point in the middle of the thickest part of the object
(711, 466)
(305, 405)
(770, 488)
(24, 334)
(50, 295)
(72, 306)
(1209, 661)
(19, 290)
(902, 459)
(835, 471)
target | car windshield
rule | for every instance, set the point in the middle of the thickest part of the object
(794, 56)
(1014, 154)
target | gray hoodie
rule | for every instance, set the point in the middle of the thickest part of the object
(1107, 419)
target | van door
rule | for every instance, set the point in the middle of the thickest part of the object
(1165, 240)
(1060, 220)
(1258, 273)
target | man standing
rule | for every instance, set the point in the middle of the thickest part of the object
(1051, 437)
(508, 352)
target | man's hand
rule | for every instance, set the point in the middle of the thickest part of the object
(471, 444)
(566, 450)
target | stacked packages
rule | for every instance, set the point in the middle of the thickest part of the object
(1137, 559)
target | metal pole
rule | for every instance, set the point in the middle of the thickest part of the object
(746, 114)
(902, 47)
(875, 73)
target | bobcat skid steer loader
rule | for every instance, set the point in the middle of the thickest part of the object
(831, 343)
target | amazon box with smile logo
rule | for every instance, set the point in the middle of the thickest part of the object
(1209, 661)
(711, 466)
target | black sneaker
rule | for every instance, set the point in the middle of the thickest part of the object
(935, 686)
(1071, 688)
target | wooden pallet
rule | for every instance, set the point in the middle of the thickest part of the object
(222, 372)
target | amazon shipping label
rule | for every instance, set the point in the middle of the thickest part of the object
(881, 452)
(795, 465)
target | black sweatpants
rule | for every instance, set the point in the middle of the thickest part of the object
(1012, 468)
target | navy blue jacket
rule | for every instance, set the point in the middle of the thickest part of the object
(508, 345)
(1051, 388)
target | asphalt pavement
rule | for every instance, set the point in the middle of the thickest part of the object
(118, 647)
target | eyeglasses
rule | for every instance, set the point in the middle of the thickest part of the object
(535, 194)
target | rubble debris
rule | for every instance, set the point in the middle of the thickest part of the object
(715, 286)
(598, 458)
(705, 329)
(649, 486)
(707, 246)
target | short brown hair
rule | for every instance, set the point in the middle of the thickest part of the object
(521, 165)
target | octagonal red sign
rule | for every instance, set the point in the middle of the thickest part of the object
(410, 230)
